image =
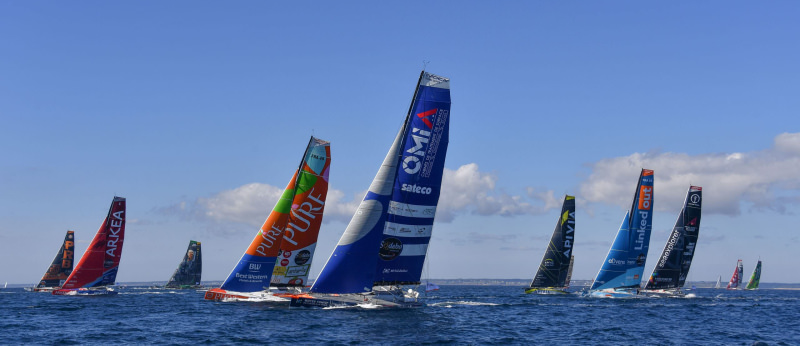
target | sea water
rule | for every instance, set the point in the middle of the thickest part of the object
(454, 315)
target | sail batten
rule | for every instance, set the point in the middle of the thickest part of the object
(386, 241)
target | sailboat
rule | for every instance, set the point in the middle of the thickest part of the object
(719, 282)
(188, 273)
(736, 278)
(60, 268)
(551, 278)
(755, 278)
(385, 244)
(97, 269)
(670, 272)
(621, 273)
(285, 243)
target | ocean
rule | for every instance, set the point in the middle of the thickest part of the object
(492, 315)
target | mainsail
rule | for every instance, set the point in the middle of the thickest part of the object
(99, 264)
(736, 278)
(189, 270)
(555, 265)
(624, 264)
(299, 210)
(673, 264)
(387, 239)
(755, 278)
(719, 282)
(59, 270)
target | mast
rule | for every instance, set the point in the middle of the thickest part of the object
(387, 239)
(555, 264)
(676, 259)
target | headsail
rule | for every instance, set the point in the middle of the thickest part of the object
(190, 269)
(255, 268)
(387, 239)
(755, 278)
(99, 264)
(673, 264)
(555, 265)
(59, 270)
(624, 264)
(736, 278)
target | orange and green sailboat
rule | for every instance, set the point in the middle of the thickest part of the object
(281, 252)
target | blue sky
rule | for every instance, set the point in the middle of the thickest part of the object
(197, 112)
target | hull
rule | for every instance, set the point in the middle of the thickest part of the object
(546, 291)
(84, 292)
(668, 293)
(615, 293)
(40, 289)
(218, 294)
(354, 300)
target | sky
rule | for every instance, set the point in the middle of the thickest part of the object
(198, 112)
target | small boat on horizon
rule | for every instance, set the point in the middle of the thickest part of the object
(97, 270)
(736, 278)
(190, 269)
(755, 278)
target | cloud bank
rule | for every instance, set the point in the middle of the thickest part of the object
(466, 190)
(761, 180)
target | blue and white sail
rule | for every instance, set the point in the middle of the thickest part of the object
(387, 239)
(624, 264)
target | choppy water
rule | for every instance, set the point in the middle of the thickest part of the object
(455, 315)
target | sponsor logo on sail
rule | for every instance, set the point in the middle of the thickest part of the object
(302, 257)
(416, 189)
(390, 249)
(301, 216)
(425, 142)
(616, 262)
(113, 233)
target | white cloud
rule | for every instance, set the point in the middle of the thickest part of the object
(465, 190)
(468, 190)
(765, 179)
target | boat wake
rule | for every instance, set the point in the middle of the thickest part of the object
(264, 299)
(462, 302)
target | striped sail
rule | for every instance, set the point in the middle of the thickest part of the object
(624, 264)
(676, 259)
(254, 270)
(387, 239)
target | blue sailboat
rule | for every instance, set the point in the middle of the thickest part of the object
(384, 246)
(621, 273)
